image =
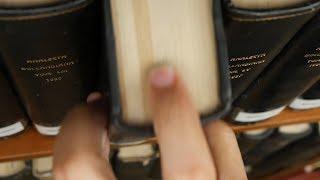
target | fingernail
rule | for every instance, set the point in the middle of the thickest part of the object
(93, 97)
(162, 77)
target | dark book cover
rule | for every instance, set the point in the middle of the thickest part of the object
(293, 71)
(256, 36)
(308, 100)
(13, 120)
(51, 54)
(249, 140)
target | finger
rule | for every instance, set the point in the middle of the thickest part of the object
(225, 151)
(82, 145)
(184, 151)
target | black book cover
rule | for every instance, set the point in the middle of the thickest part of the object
(248, 141)
(308, 100)
(51, 55)
(255, 37)
(293, 71)
(13, 119)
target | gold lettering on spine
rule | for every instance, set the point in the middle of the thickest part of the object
(239, 66)
(311, 59)
(49, 69)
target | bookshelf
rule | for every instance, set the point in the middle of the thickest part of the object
(26, 145)
(30, 144)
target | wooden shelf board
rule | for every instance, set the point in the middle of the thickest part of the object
(30, 144)
(287, 117)
(27, 145)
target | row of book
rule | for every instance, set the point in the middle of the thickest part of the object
(36, 169)
(265, 152)
(268, 151)
(55, 53)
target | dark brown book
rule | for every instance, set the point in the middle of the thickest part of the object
(51, 53)
(12, 117)
(257, 31)
(308, 100)
(293, 71)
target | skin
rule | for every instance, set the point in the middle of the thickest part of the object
(187, 150)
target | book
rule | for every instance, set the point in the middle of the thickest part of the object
(165, 32)
(51, 54)
(257, 31)
(29, 3)
(250, 139)
(135, 162)
(42, 168)
(297, 152)
(267, 4)
(187, 35)
(9, 169)
(13, 119)
(284, 136)
(308, 100)
(294, 70)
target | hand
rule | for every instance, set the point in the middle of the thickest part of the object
(187, 151)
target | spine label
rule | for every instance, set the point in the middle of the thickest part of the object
(11, 130)
(254, 117)
(49, 131)
(301, 104)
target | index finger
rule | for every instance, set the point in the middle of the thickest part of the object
(184, 150)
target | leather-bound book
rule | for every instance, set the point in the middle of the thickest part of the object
(12, 116)
(186, 35)
(51, 54)
(284, 136)
(308, 100)
(135, 162)
(11, 169)
(297, 152)
(28, 3)
(250, 139)
(293, 71)
(267, 4)
(42, 168)
(257, 31)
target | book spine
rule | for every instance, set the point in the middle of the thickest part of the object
(13, 119)
(256, 37)
(51, 53)
(302, 150)
(135, 162)
(288, 76)
(42, 168)
(309, 100)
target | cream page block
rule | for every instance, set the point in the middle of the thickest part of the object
(175, 32)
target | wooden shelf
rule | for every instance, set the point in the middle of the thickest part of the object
(288, 116)
(30, 144)
(26, 145)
